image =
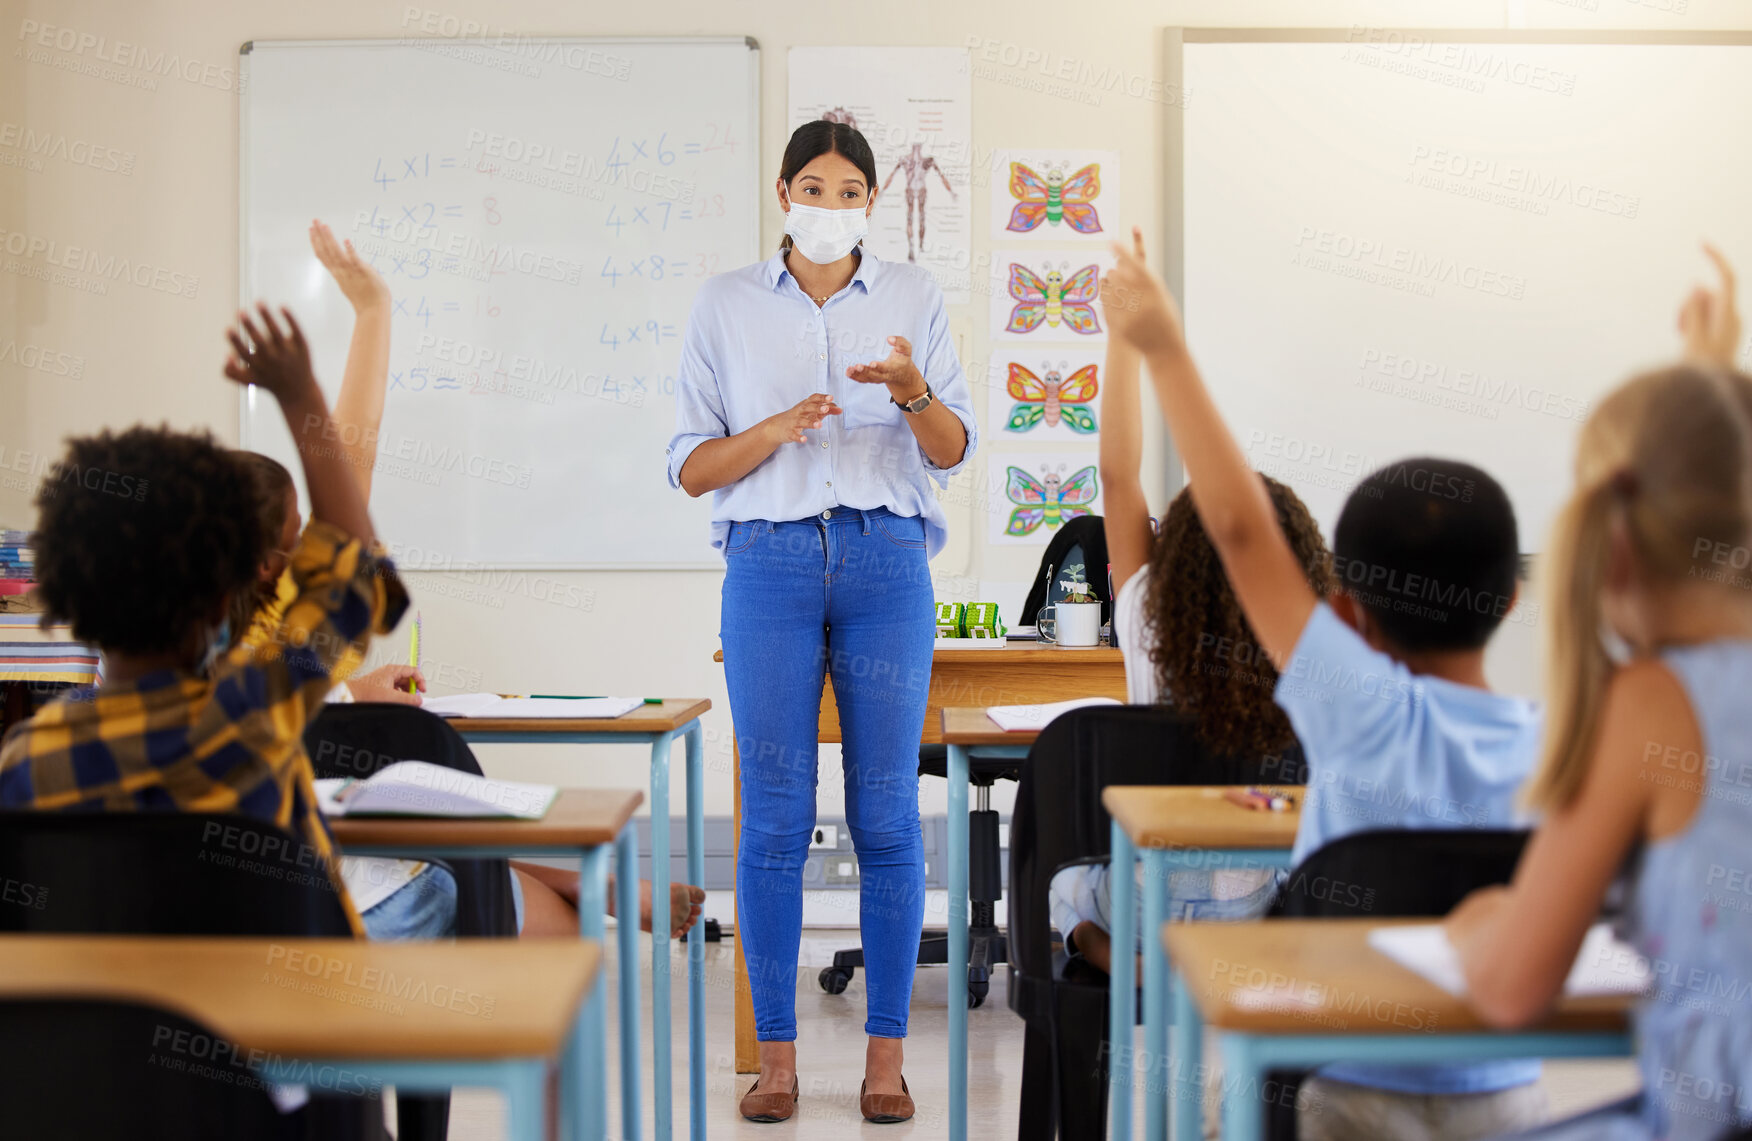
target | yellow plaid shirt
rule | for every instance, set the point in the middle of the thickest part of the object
(227, 742)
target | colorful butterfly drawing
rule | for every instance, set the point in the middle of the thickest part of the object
(1052, 399)
(1053, 300)
(1055, 198)
(1051, 503)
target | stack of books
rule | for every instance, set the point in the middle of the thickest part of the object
(17, 569)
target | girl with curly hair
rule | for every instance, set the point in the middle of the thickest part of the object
(1187, 644)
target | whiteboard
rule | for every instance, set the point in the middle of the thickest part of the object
(1422, 243)
(543, 211)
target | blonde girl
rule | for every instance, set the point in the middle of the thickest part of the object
(1647, 761)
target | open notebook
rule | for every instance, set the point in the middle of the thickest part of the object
(417, 788)
(1026, 718)
(1605, 965)
(492, 705)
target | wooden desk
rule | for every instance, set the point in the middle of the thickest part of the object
(1293, 993)
(657, 726)
(353, 1011)
(582, 824)
(1186, 827)
(1021, 673)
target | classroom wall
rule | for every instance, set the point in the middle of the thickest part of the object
(161, 191)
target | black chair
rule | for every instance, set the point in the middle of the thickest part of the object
(1393, 873)
(1082, 540)
(356, 740)
(168, 873)
(84, 1070)
(1058, 822)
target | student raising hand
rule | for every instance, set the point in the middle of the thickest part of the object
(269, 357)
(359, 404)
(363, 286)
(1138, 307)
(1709, 320)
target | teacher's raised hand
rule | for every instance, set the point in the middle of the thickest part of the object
(897, 371)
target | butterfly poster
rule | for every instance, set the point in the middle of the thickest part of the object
(1049, 392)
(1055, 196)
(1046, 295)
(1031, 495)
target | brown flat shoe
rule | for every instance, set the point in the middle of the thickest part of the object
(769, 1107)
(886, 1108)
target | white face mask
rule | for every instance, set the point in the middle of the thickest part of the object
(825, 236)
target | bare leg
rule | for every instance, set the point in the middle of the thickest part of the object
(685, 900)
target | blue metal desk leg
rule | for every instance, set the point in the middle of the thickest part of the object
(1186, 1077)
(1122, 988)
(525, 1090)
(592, 1032)
(958, 857)
(661, 1093)
(626, 890)
(1155, 988)
(1243, 1112)
(696, 938)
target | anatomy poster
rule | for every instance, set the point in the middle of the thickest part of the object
(1044, 392)
(914, 105)
(1031, 495)
(1055, 195)
(1046, 295)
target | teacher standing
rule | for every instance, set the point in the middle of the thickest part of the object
(818, 398)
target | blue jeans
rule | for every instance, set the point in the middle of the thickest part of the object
(848, 597)
(423, 908)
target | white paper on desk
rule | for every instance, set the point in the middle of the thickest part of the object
(1605, 965)
(492, 705)
(461, 704)
(1023, 718)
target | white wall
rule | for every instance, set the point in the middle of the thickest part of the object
(145, 354)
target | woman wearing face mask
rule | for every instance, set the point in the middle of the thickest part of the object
(818, 398)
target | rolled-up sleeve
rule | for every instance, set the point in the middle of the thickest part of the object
(699, 404)
(942, 371)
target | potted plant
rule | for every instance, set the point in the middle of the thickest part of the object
(1075, 618)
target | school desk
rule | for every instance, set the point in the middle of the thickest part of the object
(1173, 829)
(353, 1005)
(1296, 993)
(1022, 673)
(658, 726)
(581, 823)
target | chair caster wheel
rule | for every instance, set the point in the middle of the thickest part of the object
(834, 980)
(977, 989)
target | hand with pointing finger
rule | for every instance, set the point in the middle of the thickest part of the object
(805, 416)
(1710, 319)
(1138, 307)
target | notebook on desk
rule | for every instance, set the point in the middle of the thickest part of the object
(1605, 965)
(417, 788)
(493, 705)
(1032, 718)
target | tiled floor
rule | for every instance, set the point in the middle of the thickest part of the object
(831, 1054)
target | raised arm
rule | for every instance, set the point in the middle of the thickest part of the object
(1230, 497)
(358, 413)
(278, 360)
(1125, 512)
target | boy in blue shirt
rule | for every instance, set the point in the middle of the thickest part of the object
(1383, 682)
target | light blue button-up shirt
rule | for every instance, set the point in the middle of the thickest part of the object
(756, 345)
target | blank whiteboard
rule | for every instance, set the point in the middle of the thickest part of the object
(543, 211)
(1451, 244)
